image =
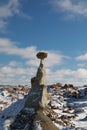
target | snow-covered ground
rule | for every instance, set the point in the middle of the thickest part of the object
(11, 102)
(70, 113)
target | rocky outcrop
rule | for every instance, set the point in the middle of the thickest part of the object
(36, 100)
(46, 122)
(71, 90)
(24, 119)
(57, 85)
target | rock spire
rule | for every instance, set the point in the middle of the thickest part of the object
(36, 103)
(38, 95)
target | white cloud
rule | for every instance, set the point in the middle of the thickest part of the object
(14, 72)
(76, 77)
(55, 58)
(16, 75)
(71, 7)
(82, 57)
(23, 75)
(9, 47)
(81, 73)
(82, 65)
(14, 68)
(11, 71)
(32, 62)
(13, 64)
(7, 10)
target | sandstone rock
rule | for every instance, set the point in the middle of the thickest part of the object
(57, 85)
(41, 55)
(71, 91)
(38, 95)
(36, 99)
(10, 90)
(46, 123)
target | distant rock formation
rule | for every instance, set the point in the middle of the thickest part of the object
(71, 90)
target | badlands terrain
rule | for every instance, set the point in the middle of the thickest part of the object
(67, 105)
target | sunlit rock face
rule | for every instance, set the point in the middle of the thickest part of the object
(38, 95)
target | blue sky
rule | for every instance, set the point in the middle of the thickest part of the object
(58, 27)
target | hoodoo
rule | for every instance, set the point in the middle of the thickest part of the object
(38, 95)
(36, 103)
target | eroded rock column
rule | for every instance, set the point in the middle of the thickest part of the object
(37, 99)
(38, 95)
(41, 73)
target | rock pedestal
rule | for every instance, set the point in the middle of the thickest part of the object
(38, 95)
(41, 73)
(36, 102)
